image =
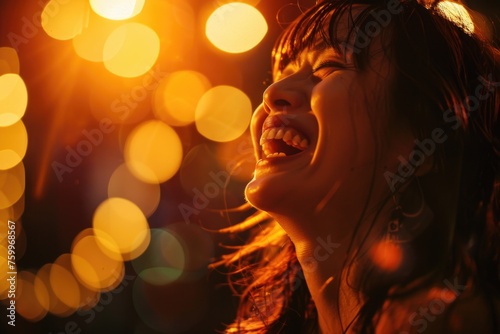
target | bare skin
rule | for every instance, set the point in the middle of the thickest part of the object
(321, 192)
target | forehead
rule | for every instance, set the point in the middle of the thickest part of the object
(330, 26)
(327, 26)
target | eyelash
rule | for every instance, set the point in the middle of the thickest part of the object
(328, 64)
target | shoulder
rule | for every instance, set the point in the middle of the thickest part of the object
(443, 309)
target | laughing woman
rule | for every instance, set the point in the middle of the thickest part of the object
(377, 181)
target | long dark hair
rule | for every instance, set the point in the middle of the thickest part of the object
(446, 77)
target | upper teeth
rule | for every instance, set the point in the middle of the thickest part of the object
(288, 135)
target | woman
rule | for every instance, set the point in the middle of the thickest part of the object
(377, 181)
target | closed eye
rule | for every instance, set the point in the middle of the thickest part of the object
(327, 67)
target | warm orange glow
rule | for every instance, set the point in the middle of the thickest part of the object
(119, 221)
(236, 27)
(387, 255)
(13, 145)
(131, 50)
(9, 61)
(64, 20)
(27, 304)
(457, 13)
(94, 266)
(46, 296)
(177, 96)
(4, 284)
(89, 44)
(125, 185)
(13, 212)
(117, 9)
(223, 113)
(64, 283)
(13, 99)
(237, 158)
(12, 183)
(153, 152)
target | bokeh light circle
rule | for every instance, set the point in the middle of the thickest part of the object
(46, 296)
(27, 304)
(131, 50)
(89, 44)
(117, 9)
(387, 255)
(121, 222)
(153, 152)
(236, 27)
(13, 99)
(12, 184)
(178, 94)
(163, 261)
(13, 145)
(125, 185)
(94, 266)
(63, 283)
(64, 20)
(223, 113)
(9, 60)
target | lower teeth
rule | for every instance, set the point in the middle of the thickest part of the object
(277, 154)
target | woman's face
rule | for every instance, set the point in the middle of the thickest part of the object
(317, 132)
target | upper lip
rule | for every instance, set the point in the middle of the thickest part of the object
(288, 127)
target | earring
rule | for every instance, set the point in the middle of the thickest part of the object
(404, 226)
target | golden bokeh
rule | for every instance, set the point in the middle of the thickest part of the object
(4, 284)
(46, 296)
(9, 61)
(125, 185)
(89, 44)
(117, 9)
(121, 222)
(131, 50)
(63, 21)
(223, 113)
(178, 94)
(27, 304)
(12, 184)
(64, 283)
(153, 152)
(94, 266)
(13, 145)
(13, 99)
(236, 27)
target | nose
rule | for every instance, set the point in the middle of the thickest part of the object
(285, 95)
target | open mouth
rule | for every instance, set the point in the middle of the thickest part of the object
(282, 142)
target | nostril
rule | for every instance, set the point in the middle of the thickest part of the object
(281, 103)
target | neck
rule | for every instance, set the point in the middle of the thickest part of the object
(325, 256)
(323, 266)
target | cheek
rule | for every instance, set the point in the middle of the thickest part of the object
(346, 136)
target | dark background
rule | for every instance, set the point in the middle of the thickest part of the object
(55, 212)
